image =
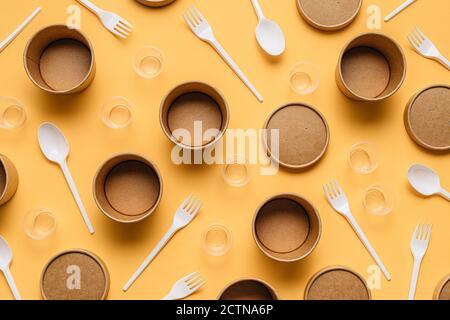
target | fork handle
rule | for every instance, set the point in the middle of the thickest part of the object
(444, 61)
(151, 256)
(235, 68)
(90, 6)
(368, 246)
(402, 7)
(414, 277)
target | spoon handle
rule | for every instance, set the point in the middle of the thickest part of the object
(77, 197)
(258, 9)
(445, 194)
(12, 284)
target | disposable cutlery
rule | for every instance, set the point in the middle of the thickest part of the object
(183, 216)
(268, 33)
(425, 181)
(338, 200)
(419, 246)
(113, 22)
(5, 261)
(56, 149)
(426, 48)
(402, 7)
(185, 287)
(19, 29)
(201, 28)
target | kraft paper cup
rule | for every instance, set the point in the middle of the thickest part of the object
(9, 179)
(75, 275)
(427, 117)
(442, 291)
(287, 227)
(248, 289)
(371, 67)
(304, 136)
(127, 188)
(337, 283)
(155, 3)
(329, 15)
(60, 60)
(190, 103)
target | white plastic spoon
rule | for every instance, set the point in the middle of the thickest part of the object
(268, 33)
(426, 181)
(56, 149)
(5, 261)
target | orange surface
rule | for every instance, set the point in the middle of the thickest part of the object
(187, 58)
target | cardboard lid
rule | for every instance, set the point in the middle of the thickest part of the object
(132, 187)
(64, 64)
(192, 107)
(337, 283)
(248, 289)
(282, 225)
(427, 118)
(443, 289)
(155, 3)
(365, 71)
(329, 14)
(303, 133)
(75, 275)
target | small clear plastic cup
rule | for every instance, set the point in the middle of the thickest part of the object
(148, 62)
(304, 78)
(362, 158)
(117, 113)
(236, 172)
(39, 224)
(379, 200)
(12, 113)
(216, 240)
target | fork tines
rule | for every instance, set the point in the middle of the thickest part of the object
(332, 190)
(193, 17)
(416, 37)
(122, 29)
(194, 281)
(191, 205)
(422, 232)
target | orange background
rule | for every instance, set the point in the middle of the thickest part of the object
(187, 58)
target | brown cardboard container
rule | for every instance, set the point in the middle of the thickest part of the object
(59, 279)
(155, 3)
(371, 67)
(127, 188)
(248, 289)
(442, 291)
(194, 101)
(9, 179)
(304, 135)
(427, 118)
(60, 60)
(337, 283)
(329, 14)
(287, 227)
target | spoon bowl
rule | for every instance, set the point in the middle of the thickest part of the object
(425, 181)
(53, 143)
(5, 254)
(270, 37)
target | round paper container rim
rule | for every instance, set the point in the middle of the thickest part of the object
(381, 97)
(334, 268)
(272, 291)
(146, 162)
(155, 3)
(286, 196)
(440, 286)
(81, 251)
(225, 118)
(3, 164)
(327, 27)
(88, 74)
(410, 130)
(305, 165)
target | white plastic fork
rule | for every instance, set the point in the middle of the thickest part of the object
(185, 287)
(419, 246)
(338, 200)
(113, 22)
(183, 216)
(426, 48)
(201, 28)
